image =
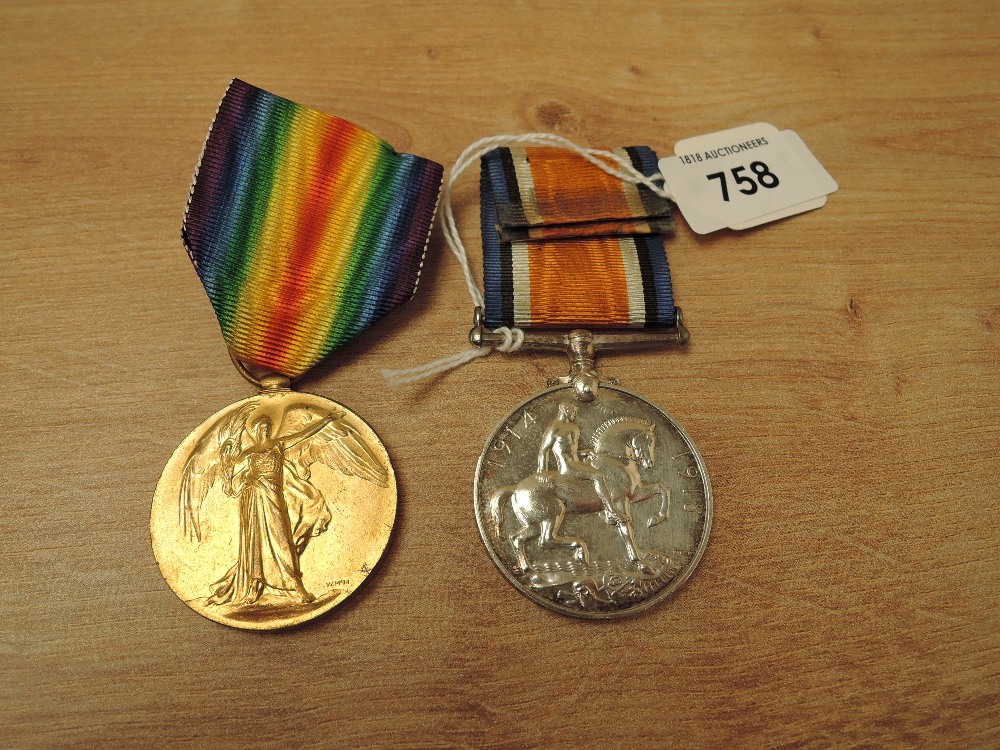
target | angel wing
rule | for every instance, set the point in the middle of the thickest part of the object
(339, 446)
(213, 458)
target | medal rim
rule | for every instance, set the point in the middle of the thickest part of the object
(188, 443)
(674, 585)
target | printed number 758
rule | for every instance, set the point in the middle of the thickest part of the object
(765, 177)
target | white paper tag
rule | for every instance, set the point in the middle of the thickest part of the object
(743, 177)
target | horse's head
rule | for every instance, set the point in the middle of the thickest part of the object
(628, 439)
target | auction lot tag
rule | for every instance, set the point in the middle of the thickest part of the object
(743, 177)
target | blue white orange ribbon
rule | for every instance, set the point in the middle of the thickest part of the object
(566, 245)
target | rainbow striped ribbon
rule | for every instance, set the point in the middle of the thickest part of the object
(304, 228)
(566, 245)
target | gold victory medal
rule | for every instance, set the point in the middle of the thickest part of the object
(273, 511)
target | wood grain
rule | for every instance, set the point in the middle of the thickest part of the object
(842, 383)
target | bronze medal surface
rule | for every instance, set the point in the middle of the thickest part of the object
(593, 509)
(273, 511)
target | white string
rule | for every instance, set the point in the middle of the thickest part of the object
(512, 340)
(513, 337)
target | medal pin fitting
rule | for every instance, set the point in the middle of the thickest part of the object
(581, 347)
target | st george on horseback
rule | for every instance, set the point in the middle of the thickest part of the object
(606, 480)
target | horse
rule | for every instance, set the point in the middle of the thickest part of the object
(622, 446)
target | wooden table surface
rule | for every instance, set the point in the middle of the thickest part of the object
(842, 383)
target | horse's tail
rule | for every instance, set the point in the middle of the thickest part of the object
(496, 507)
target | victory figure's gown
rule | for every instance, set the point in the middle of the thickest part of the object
(268, 560)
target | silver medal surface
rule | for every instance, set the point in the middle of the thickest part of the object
(593, 509)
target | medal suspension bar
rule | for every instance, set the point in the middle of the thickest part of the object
(581, 346)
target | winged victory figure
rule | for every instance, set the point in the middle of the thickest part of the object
(263, 458)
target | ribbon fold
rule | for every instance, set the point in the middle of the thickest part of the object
(303, 228)
(566, 245)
